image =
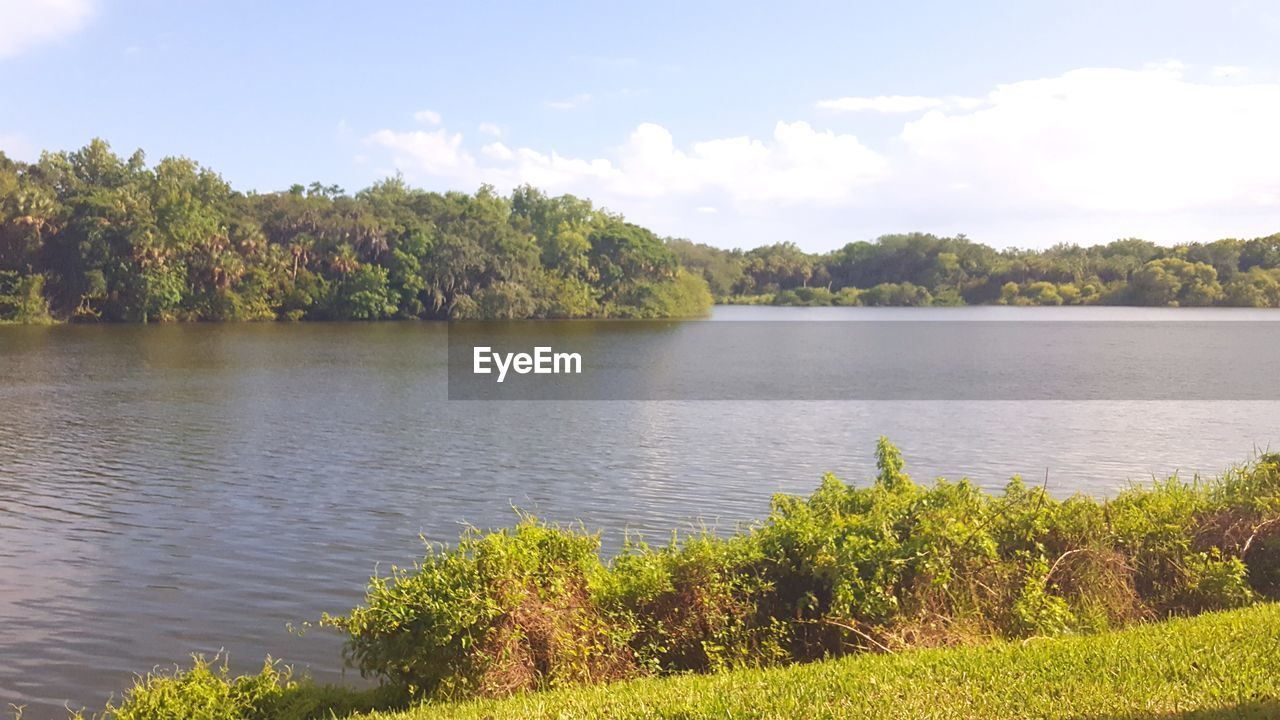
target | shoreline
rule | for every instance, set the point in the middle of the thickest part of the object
(867, 572)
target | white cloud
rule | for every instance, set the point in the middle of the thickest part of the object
(24, 24)
(497, 151)
(895, 103)
(1085, 156)
(434, 152)
(427, 117)
(490, 129)
(1108, 140)
(798, 164)
(556, 172)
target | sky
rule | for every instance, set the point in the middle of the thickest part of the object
(731, 123)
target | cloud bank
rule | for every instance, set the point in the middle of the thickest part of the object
(1085, 156)
(25, 24)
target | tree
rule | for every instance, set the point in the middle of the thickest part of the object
(624, 255)
(1256, 288)
(1171, 281)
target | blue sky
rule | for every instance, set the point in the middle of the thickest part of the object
(727, 122)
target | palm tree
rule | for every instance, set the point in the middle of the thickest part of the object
(343, 260)
(300, 247)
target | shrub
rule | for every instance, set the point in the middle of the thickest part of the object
(692, 605)
(204, 692)
(22, 298)
(682, 296)
(500, 612)
(1037, 611)
(848, 296)
(207, 691)
(1214, 582)
(806, 297)
(896, 294)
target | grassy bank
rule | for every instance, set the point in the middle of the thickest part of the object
(1214, 666)
(890, 575)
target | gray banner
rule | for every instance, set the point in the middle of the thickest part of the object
(868, 360)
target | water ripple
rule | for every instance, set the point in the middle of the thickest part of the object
(168, 490)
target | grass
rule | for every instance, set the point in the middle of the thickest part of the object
(1214, 666)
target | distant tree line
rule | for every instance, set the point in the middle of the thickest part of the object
(91, 236)
(88, 235)
(923, 269)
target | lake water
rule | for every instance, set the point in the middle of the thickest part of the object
(174, 489)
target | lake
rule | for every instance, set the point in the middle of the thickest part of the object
(195, 488)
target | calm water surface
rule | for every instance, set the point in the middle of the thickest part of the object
(175, 489)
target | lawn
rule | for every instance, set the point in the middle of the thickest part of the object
(1214, 666)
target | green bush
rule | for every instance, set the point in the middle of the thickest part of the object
(809, 297)
(364, 295)
(204, 692)
(691, 605)
(1037, 611)
(896, 294)
(684, 295)
(22, 299)
(207, 691)
(500, 612)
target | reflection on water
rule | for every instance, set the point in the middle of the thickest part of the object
(168, 490)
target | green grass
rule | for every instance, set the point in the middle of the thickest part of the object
(1214, 666)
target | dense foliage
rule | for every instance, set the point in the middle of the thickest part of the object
(208, 691)
(88, 235)
(891, 565)
(922, 269)
(879, 568)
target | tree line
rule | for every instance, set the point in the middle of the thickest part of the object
(924, 269)
(89, 235)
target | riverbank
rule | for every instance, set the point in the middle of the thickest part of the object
(1213, 667)
(891, 569)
